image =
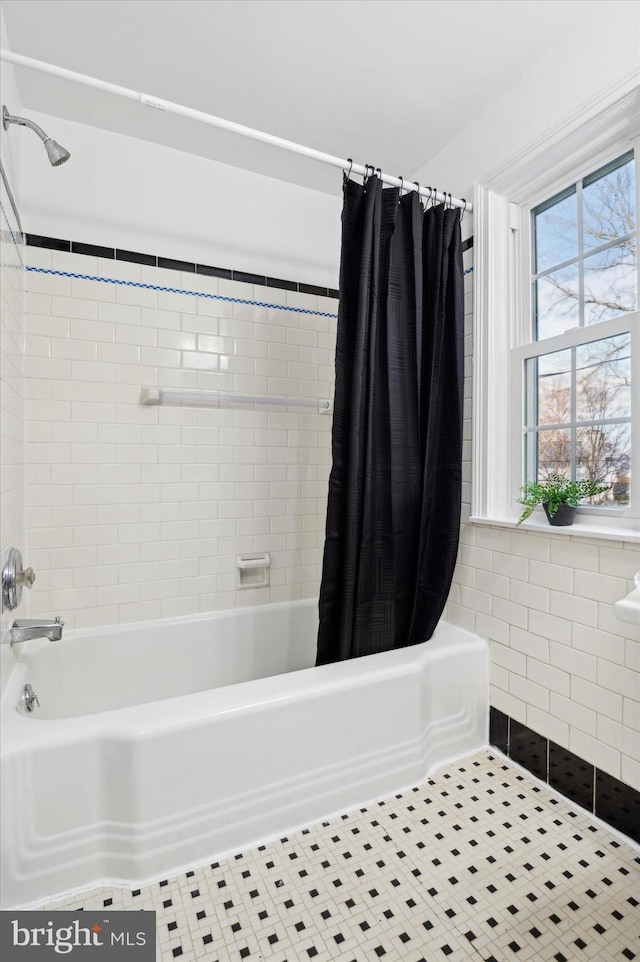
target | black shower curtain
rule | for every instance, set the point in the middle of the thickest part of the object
(394, 491)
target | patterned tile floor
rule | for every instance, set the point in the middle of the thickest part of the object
(480, 862)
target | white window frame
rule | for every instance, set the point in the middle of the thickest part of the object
(604, 130)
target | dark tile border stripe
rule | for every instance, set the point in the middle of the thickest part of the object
(51, 243)
(214, 271)
(93, 250)
(467, 244)
(133, 257)
(247, 278)
(601, 794)
(170, 263)
(282, 285)
(529, 749)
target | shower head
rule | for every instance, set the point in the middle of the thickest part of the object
(55, 152)
(57, 155)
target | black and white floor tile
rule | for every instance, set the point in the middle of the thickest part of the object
(480, 863)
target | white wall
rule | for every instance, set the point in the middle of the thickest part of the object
(117, 191)
(138, 512)
(561, 663)
(602, 47)
(10, 141)
(12, 495)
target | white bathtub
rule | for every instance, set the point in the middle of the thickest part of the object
(160, 746)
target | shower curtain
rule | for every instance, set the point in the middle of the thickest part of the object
(394, 490)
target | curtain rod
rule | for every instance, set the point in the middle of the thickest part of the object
(198, 115)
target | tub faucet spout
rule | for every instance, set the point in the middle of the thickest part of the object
(25, 629)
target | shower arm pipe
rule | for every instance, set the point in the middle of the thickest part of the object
(212, 121)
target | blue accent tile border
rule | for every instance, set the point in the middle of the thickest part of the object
(177, 290)
(170, 263)
(601, 794)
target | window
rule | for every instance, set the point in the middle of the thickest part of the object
(556, 377)
(577, 411)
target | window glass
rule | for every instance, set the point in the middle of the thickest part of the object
(603, 379)
(585, 252)
(554, 388)
(557, 302)
(578, 414)
(610, 283)
(556, 232)
(609, 204)
(553, 453)
(604, 455)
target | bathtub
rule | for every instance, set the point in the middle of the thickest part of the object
(160, 746)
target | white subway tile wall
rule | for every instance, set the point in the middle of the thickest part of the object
(138, 512)
(561, 662)
(12, 503)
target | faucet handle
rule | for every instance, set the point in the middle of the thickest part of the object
(14, 578)
(26, 577)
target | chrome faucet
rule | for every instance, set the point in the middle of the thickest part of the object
(25, 629)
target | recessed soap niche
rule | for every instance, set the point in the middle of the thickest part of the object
(252, 570)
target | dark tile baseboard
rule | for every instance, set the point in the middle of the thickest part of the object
(599, 793)
(155, 260)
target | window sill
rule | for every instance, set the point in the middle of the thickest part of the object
(585, 528)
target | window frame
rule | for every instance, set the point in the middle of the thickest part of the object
(527, 347)
(503, 333)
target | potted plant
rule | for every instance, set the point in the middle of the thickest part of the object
(559, 496)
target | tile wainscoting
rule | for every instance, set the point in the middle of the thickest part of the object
(584, 784)
(135, 512)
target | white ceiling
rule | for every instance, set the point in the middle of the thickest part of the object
(387, 82)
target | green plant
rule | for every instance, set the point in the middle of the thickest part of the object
(556, 489)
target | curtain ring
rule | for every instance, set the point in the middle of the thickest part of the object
(434, 199)
(346, 174)
(464, 202)
(379, 171)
